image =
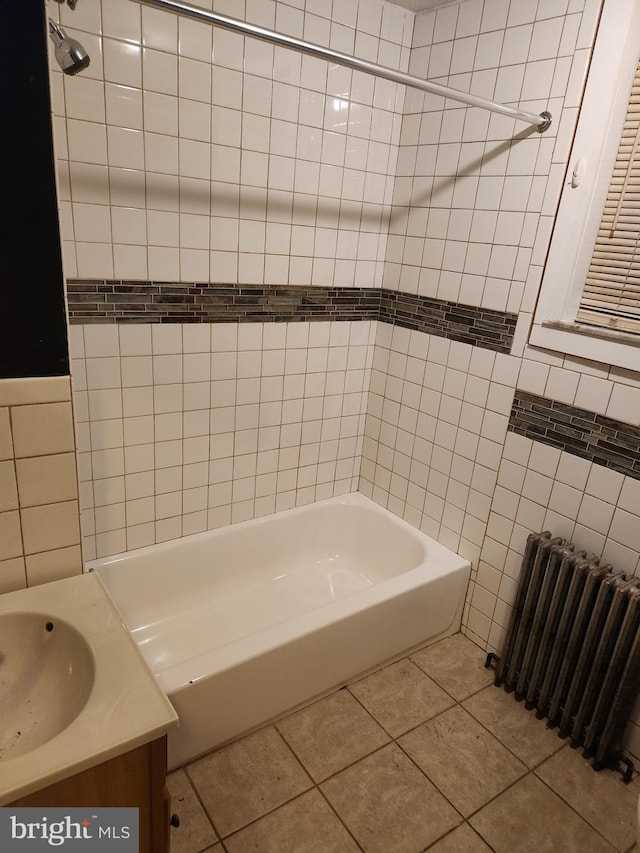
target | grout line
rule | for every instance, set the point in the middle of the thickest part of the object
(293, 752)
(200, 800)
(528, 771)
(580, 817)
(342, 823)
(455, 829)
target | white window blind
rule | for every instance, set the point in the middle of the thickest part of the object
(611, 295)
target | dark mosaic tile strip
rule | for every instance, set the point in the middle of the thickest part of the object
(164, 302)
(106, 301)
(477, 326)
(608, 442)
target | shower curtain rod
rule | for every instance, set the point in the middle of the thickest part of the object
(541, 121)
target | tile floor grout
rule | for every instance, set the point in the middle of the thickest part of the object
(314, 786)
(327, 801)
(463, 821)
(528, 770)
(202, 803)
(317, 786)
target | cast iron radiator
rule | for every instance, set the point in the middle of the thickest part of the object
(572, 648)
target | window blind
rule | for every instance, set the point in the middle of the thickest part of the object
(611, 294)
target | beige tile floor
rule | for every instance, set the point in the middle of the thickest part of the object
(425, 754)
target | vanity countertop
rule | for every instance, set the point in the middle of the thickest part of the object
(125, 707)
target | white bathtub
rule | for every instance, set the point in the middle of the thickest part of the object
(244, 623)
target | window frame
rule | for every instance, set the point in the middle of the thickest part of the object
(593, 154)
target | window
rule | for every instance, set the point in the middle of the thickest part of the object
(611, 294)
(590, 297)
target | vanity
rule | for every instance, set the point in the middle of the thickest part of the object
(83, 721)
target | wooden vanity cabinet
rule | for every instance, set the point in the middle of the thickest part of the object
(136, 778)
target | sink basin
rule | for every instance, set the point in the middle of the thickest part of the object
(74, 689)
(47, 672)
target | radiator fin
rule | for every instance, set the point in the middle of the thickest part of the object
(572, 648)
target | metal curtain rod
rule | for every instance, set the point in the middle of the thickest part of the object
(542, 121)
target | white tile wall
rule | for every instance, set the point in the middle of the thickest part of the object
(270, 168)
(186, 428)
(437, 452)
(434, 446)
(478, 183)
(435, 429)
(473, 209)
(184, 148)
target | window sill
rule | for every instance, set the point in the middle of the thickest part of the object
(616, 348)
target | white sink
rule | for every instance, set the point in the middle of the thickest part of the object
(74, 689)
(47, 671)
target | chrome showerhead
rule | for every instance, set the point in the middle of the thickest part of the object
(70, 54)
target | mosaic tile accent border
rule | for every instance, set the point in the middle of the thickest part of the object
(608, 442)
(110, 301)
(482, 327)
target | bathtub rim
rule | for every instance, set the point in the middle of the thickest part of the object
(376, 617)
(438, 562)
(349, 498)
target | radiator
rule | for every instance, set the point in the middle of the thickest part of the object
(572, 648)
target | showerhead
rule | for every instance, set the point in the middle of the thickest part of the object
(70, 54)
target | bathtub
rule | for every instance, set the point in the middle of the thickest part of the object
(246, 622)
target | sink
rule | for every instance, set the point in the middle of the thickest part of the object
(47, 672)
(75, 690)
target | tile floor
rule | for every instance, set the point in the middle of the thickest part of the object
(425, 754)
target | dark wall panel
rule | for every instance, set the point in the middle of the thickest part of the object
(33, 333)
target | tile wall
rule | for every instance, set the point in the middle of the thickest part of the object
(292, 174)
(184, 428)
(264, 166)
(471, 221)
(259, 168)
(39, 524)
(475, 191)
